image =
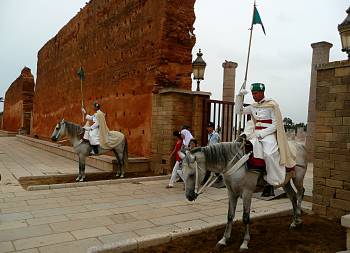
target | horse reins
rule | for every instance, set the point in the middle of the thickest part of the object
(212, 179)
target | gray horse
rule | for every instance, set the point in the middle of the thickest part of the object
(83, 149)
(239, 181)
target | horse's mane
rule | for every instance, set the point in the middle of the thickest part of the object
(72, 128)
(220, 154)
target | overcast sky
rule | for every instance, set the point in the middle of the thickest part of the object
(281, 59)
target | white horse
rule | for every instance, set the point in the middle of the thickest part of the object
(225, 158)
(83, 149)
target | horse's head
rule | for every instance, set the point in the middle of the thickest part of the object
(193, 166)
(59, 130)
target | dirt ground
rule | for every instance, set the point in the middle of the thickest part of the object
(270, 235)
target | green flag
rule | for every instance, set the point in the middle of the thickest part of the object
(81, 73)
(257, 19)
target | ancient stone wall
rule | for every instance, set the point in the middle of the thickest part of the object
(19, 103)
(1, 120)
(331, 193)
(129, 49)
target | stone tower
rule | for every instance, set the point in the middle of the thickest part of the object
(320, 54)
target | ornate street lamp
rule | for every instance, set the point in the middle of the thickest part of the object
(344, 31)
(198, 68)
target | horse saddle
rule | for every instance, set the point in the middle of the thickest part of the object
(258, 165)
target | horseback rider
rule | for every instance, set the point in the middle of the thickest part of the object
(268, 137)
(92, 133)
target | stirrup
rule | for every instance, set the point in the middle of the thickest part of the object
(268, 191)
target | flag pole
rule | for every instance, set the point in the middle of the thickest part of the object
(81, 77)
(250, 43)
(246, 73)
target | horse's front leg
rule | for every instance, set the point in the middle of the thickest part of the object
(230, 216)
(120, 172)
(82, 164)
(121, 164)
(298, 183)
(80, 169)
(293, 198)
(247, 201)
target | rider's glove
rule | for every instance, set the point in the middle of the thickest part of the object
(243, 92)
(83, 110)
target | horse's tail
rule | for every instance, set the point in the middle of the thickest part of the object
(125, 154)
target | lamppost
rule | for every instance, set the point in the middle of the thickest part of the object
(344, 31)
(2, 100)
(198, 68)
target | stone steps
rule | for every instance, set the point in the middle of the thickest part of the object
(103, 162)
(4, 133)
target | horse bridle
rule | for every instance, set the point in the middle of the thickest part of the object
(58, 132)
(213, 177)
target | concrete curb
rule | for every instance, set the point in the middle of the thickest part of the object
(94, 183)
(144, 242)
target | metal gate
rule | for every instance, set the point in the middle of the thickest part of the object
(221, 113)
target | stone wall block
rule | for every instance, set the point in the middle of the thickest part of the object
(322, 144)
(346, 121)
(342, 72)
(340, 204)
(343, 194)
(347, 185)
(319, 209)
(322, 172)
(335, 213)
(320, 181)
(338, 88)
(325, 114)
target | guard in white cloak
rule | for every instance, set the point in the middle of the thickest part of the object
(268, 137)
(92, 133)
(98, 133)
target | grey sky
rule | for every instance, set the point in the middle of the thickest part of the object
(281, 59)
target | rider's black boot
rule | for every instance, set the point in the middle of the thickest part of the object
(95, 149)
(268, 191)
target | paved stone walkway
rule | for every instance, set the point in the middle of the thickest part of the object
(20, 160)
(74, 219)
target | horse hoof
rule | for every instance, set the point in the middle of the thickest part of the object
(221, 244)
(295, 225)
(122, 176)
(77, 179)
(243, 247)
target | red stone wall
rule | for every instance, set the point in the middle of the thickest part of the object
(128, 50)
(19, 102)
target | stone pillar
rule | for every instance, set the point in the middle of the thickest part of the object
(228, 92)
(228, 95)
(320, 54)
(171, 109)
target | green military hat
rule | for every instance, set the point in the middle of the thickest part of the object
(257, 87)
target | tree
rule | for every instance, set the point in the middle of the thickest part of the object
(288, 123)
